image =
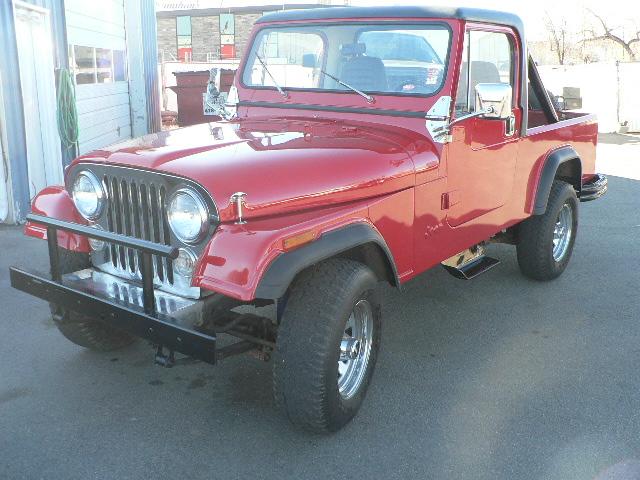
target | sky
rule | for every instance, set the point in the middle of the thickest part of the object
(617, 12)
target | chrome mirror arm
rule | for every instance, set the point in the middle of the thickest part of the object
(446, 128)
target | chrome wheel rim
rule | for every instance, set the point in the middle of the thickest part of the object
(355, 349)
(562, 232)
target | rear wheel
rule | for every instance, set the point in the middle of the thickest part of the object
(546, 241)
(327, 345)
(80, 328)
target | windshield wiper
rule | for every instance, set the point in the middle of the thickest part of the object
(264, 65)
(367, 97)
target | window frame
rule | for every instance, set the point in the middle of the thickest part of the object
(72, 65)
(515, 61)
(249, 58)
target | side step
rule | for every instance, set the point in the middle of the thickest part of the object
(469, 263)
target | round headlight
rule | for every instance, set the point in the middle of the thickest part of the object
(188, 216)
(88, 195)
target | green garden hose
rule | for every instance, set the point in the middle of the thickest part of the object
(67, 112)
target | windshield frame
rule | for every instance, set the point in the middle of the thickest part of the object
(414, 24)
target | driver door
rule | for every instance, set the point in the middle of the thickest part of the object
(483, 152)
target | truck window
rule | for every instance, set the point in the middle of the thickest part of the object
(398, 45)
(283, 52)
(491, 58)
(390, 58)
(541, 110)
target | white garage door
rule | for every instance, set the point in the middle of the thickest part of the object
(98, 59)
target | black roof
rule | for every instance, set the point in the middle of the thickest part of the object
(470, 14)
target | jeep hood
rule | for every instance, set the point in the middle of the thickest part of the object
(283, 165)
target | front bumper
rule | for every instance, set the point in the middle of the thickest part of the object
(166, 320)
(596, 188)
(173, 325)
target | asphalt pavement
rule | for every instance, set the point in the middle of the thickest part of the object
(496, 378)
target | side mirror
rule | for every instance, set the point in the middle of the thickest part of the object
(560, 103)
(309, 60)
(495, 99)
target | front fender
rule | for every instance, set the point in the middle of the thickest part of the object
(249, 261)
(277, 278)
(55, 202)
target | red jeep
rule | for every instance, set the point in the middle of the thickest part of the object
(366, 145)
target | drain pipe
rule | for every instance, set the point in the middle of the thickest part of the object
(4, 164)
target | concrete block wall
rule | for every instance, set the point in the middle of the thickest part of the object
(167, 41)
(205, 37)
(244, 24)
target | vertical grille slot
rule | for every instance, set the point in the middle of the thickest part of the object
(164, 227)
(136, 209)
(111, 221)
(155, 215)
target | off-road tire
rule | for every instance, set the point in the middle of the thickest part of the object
(535, 236)
(84, 330)
(305, 370)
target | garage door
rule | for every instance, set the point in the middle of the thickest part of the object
(98, 58)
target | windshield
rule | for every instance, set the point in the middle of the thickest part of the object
(388, 59)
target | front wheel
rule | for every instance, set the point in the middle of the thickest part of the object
(327, 345)
(546, 241)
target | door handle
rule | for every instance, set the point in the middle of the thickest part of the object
(510, 125)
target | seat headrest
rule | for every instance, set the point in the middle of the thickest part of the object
(352, 49)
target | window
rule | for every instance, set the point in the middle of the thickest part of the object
(227, 24)
(104, 66)
(400, 45)
(397, 59)
(183, 33)
(227, 35)
(84, 66)
(283, 53)
(97, 65)
(491, 58)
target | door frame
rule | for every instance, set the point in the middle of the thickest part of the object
(459, 193)
(51, 138)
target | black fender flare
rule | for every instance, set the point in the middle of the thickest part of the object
(278, 276)
(551, 165)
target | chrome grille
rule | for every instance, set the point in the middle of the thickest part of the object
(136, 200)
(136, 209)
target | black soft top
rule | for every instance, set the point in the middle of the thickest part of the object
(469, 14)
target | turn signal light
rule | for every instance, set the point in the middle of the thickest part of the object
(299, 240)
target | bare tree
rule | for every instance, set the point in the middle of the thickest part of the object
(558, 36)
(609, 34)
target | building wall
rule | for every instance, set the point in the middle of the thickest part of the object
(150, 61)
(16, 187)
(244, 24)
(205, 36)
(205, 30)
(167, 42)
(101, 24)
(115, 110)
(104, 115)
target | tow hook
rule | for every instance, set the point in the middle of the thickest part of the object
(163, 360)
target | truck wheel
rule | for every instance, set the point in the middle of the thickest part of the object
(84, 330)
(546, 241)
(327, 345)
